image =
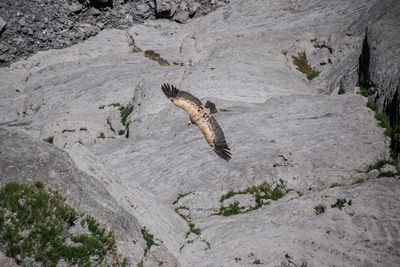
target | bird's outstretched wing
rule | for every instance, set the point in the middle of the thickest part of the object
(200, 115)
(218, 141)
(173, 93)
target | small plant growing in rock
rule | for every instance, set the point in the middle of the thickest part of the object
(180, 196)
(149, 238)
(193, 229)
(319, 209)
(68, 130)
(314, 73)
(302, 65)
(49, 139)
(102, 135)
(261, 193)
(257, 261)
(340, 203)
(83, 129)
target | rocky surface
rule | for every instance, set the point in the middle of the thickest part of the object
(281, 127)
(383, 68)
(30, 26)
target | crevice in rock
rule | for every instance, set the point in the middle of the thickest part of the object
(391, 111)
(363, 70)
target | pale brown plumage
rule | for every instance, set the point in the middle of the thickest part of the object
(201, 116)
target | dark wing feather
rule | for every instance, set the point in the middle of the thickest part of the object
(220, 145)
(172, 92)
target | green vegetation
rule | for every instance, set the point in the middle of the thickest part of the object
(224, 110)
(257, 261)
(180, 196)
(125, 112)
(36, 224)
(102, 135)
(193, 229)
(49, 139)
(340, 203)
(83, 129)
(284, 52)
(177, 210)
(314, 73)
(67, 130)
(319, 209)
(260, 193)
(372, 106)
(386, 174)
(149, 240)
(302, 65)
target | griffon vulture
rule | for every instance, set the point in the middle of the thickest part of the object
(201, 116)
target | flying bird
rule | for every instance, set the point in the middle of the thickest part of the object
(200, 115)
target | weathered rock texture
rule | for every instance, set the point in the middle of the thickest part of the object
(278, 124)
(39, 25)
(382, 69)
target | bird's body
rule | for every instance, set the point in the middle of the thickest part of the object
(200, 115)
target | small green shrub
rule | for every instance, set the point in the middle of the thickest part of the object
(67, 130)
(314, 73)
(193, 229)
(232, 209)
(149, 238)
(340, 203)
(102, 135)
(319, 209)
(372, 106)
(384, 122)
(49, 139)
(83, 129)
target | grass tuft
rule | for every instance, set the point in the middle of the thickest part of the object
(261, 192)
(319, 209)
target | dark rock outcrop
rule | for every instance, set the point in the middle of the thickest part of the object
(40, 25)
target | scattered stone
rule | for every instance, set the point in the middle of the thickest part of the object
(163, 8)
(181, 16)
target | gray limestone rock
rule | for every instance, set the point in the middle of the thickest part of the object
(181, 16)
(163, 7)
(2, 24)
(278, 124)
